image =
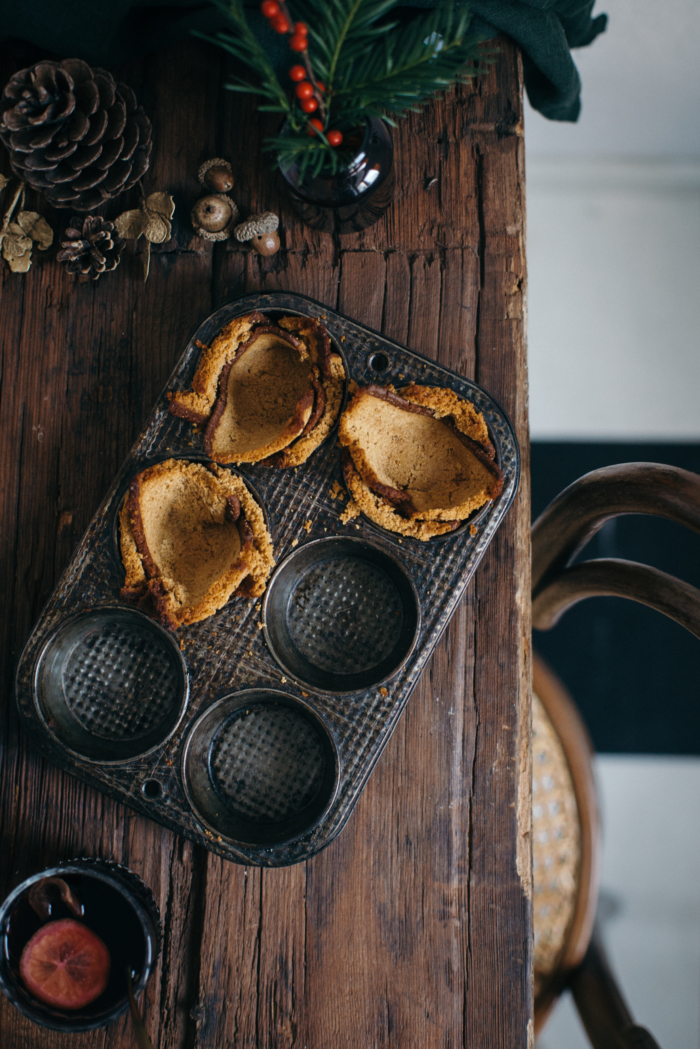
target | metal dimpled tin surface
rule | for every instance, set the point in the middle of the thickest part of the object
(324, 663)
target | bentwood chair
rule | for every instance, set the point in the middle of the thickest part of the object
(568, 950)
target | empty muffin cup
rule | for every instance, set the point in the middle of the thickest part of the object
(260, 768)
(111, 684)
(341, 615)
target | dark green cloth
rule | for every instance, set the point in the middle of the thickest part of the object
(546, 30)
(107, 32)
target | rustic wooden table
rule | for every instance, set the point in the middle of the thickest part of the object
(414, 927)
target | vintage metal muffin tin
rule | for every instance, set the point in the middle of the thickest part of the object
(254, 731)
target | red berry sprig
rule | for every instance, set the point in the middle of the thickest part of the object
(300, 37)
(308, 90)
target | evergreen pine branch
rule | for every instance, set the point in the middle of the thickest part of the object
(245, 46)
(340, 27)
(371, 65)
(311, 155)
(417, 59)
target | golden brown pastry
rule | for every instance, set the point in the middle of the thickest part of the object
(191, 535)
(418, 462)
(265, 392)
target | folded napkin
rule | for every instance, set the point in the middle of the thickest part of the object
(106, 34)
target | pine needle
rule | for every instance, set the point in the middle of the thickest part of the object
(372, 65)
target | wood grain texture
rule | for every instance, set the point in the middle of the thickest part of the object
(413, 927)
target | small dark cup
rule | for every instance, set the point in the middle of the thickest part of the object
(118, 907)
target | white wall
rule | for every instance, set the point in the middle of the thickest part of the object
(641, 86)
(614, 237)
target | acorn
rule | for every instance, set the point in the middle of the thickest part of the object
(266, 243)
(213, 216)
(216, 175)
(257, 226)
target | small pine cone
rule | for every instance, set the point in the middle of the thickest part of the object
(93, 246)
(74, 133)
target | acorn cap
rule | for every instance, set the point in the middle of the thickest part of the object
(256, 225)
(221, 234)
(215, 162)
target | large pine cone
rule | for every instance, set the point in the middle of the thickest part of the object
(93, 246)
(74, 133)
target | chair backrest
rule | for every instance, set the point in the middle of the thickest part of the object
(574, 517)
(558, 536)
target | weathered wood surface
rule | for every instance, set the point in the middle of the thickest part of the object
(413, 928)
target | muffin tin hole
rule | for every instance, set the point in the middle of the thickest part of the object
(379, 362)
(111, 684)
(260, 767)
(341, 615)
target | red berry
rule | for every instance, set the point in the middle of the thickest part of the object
(301, 27)
(309, 105)
(320, 86)
(314, 126)
(299, 42)
(297, 73)
(334, 138)
(304, 90)
(270, 8)
(280, 24)
(65, 964)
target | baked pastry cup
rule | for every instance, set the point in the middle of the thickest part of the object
(191, 536)
(265, 392)
(418, 462)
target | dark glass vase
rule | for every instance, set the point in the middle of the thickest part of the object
(357, 195)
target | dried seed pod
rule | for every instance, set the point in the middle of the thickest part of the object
(93, 246)
(256, 225)
(266, 243)
(213, 216)
(216, 175)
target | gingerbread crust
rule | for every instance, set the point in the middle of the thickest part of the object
(254, 416)
(198, 404)
(443, 402)
(191, 536)
(365, 501)
(315, 336)
(405, 475)
(300, 450)
(309, 419)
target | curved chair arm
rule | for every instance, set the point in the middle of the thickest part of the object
(601, 1007)
(617, 578)
(581, 509)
